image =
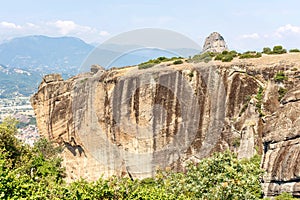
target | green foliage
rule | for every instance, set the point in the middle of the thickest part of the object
(146, 65)
(280, 77)
(222, 176)
(278, 50)
(281, 91)
(25, 172)
(285, 196)
(236, 142)
(267, 50)
(219, 57)
(226, 56)
(204, 57)
(259, 97)
(37, 174)
(294, 69)
(191, 74)
(250, 54)
(294, 50)
(177, 62)
(153, 62)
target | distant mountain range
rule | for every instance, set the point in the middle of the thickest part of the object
(24, 60)
(45, 54)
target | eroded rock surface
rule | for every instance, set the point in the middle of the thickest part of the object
(282, 147)
(133, 122)
(214, 43)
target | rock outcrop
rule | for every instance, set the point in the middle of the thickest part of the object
(214, 43)
(131, 122)
(282, 147)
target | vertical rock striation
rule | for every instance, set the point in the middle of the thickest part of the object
(131, 122)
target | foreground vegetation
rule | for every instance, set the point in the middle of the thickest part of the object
(36, 173)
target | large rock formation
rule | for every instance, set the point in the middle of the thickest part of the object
(214, 43)
(132, 122)
(282, 147)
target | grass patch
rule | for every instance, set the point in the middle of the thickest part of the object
(280, 77)
(281, 91)
(259, 97)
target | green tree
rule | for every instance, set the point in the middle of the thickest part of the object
(36, 173)
(267, 50)
(24, 171)
(221, 176)
(278, 50)
(294, 50)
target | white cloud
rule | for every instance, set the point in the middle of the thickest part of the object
(289, 28)
(65, 27)
(104, 33)
(10, 25)
(251, 36)
(31, 25)
(52, 28)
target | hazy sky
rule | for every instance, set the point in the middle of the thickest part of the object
(245, 25)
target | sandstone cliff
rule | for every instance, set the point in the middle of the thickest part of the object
(131, 122)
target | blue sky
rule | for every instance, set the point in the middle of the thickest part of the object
(245, 25)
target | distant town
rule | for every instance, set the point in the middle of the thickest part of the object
(20, 108)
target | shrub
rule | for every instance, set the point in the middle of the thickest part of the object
(204, 57)
(152, 62)
(177, 62)
(221, 176)
(259, 98)
(267, 50)
(250, 54)
(162, 58)
(280, 77)
(278, 50)
(145, 65)
(227, 58)
(219, 56)
(294, 50)
(225, 52)
(294, 69)
(285, 196)
(234, 53)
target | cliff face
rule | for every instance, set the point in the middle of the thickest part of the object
(133, 122)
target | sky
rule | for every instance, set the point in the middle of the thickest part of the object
(245, 25)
